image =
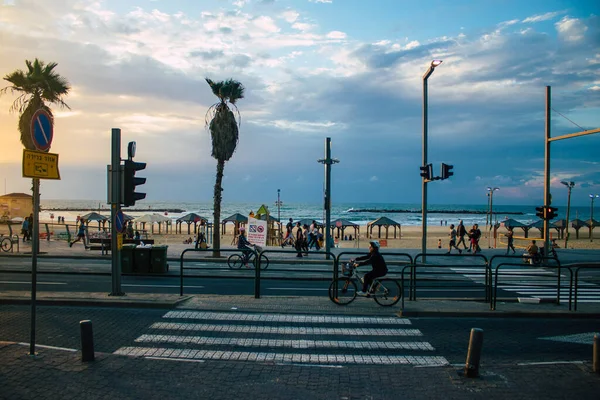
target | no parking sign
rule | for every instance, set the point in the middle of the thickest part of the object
(257, 231)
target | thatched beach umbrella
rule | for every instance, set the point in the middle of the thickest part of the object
(538, 225)
(238, 220)
(153, 219)
(386, 223)
(577, 224)
(341, 224)
(511, 224)
(591, 223)
(189, 219)
(94, 216)
(560, 226)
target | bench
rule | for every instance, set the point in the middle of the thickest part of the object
(104, 244)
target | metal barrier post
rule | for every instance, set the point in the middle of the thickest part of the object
(257, 274)
(474, 353)
(87, 341)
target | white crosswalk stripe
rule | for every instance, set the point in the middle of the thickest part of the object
(284, 338)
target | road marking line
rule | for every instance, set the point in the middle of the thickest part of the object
(294, 344)
(552, 362)
(286, 318)
(174, 359)
(29, 283)
(285, 330)
(165, 286)
(299, 289)
(51, 347)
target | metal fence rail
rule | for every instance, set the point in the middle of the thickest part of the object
(585, 267)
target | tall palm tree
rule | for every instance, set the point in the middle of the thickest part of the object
(36, 86)
(224, 133)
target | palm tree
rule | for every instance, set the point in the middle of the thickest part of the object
(36, 86)
(224, 134)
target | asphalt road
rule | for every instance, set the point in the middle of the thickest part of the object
(507, 340)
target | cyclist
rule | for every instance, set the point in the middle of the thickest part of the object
(375, 259)
(245, 246)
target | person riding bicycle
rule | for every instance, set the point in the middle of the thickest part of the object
(375, 259)
(244, 245)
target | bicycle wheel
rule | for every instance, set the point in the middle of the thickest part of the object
(346, 291)
(6, 244)
(235, 261)
(388, 292)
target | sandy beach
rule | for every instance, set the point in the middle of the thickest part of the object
(408, 237)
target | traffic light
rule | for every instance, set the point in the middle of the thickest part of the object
(539, 212)
(427, 172)
(130, 181)
(551, 213)
(447, 171)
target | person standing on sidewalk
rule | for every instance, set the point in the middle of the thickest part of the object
(299, 239)
(474, 235)
(452, 243)
(80, 233)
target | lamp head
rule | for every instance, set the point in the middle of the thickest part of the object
(435, 63)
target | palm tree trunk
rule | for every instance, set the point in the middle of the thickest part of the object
(217, 209)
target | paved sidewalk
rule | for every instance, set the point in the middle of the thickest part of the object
(60, 374)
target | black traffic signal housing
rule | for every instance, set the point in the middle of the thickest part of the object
(447, 171)
(540, 212)
(427, 172)
(130, 181)
(551, 213)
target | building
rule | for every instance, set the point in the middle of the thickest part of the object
(15, 205)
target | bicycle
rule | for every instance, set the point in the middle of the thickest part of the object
(235, 261)
(385, 291)
(6, 243)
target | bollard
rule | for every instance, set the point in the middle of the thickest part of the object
(474, 353)
(87, 341)
(596, 355)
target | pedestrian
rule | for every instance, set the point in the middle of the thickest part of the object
(288, 234)
(461, 232)
(509, 236)
(474, 235)
(30, 227)
(299, 239)
(306, 232)
(25, 228)
(129, 230)
(452, 243)
(80, 233)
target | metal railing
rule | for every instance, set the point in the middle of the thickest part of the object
(554, 270)
(578, 267)
(487, 274)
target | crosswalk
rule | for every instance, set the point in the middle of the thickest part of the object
(284, 338)
(534, 282)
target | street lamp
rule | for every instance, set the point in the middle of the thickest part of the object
(278, 206)
(434, 64)
(592, 197)
(491, 191)
(569, 186)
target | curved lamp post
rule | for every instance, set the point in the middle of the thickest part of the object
(434, 64)
(592, 197)
(569, 186)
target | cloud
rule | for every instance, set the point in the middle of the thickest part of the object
(571, 29)
(541, 17)
(321, 1)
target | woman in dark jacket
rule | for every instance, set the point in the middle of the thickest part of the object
(375, 259)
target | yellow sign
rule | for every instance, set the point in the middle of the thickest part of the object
(38, 164)
(119, 241)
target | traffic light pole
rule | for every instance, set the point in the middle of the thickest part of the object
(547, 198)
(115, 206)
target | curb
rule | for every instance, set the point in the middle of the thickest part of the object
(97, 302)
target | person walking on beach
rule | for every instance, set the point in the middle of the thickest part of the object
(509, 236)
(461, 232)
(474, 235)
(80, 233)
(299, 239)
(452, 243)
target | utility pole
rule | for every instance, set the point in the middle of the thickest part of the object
(328, 161)
(115, 206)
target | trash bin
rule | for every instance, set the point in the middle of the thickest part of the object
(142, 259)
(127, 261)
(158, 259)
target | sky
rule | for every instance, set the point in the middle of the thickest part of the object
(348, 70)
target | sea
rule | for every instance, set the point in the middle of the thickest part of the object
(410, 215)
